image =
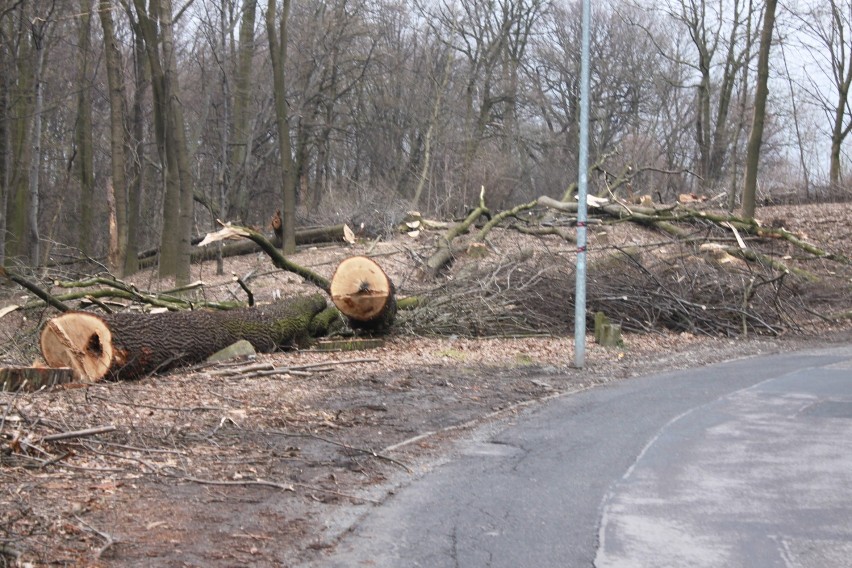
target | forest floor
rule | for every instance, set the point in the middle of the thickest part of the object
(208, 469)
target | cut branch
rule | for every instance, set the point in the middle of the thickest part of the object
(278, 259)
(34, 288)
(444, 253)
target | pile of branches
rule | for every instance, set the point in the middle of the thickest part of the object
(690, 292)
(518, 295)
(677, 288)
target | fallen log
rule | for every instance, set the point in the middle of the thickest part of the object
(313, 235)
(33, 378)
(131, 345)
(364, 294)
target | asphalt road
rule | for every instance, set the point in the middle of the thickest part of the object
(743, 464)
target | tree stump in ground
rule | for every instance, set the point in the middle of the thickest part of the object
(364, 294)
(131, 345)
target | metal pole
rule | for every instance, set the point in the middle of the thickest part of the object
(582, 190)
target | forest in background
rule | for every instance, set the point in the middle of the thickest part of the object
(132, 124)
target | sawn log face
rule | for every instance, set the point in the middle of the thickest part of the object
(364, 294)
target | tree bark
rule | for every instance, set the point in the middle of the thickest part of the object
(131, 345)
(83, 132)
(761, 94)
(240, 131)
(276, 30)
(118, 140)
(39, 33)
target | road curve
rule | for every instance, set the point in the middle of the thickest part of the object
(746, 463)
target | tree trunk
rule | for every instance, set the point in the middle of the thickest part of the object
(761, 93)
(156, 26)
(430, 131)
(443, 254)
(364, 294)
(20, 112)
(240, 131)
(313, 235)
(5, 144)
(136, 149)
(39, 31)
(177, 143)
(131, 345)
(83, 132)
(278, 52)
(118, 140)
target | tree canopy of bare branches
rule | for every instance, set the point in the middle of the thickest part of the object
(143, 125)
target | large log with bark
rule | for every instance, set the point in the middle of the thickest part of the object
(131, 345)
(364, 294)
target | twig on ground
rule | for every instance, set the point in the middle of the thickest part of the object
(78, 433)
(55, 459)
(108, 538)
(259, 482)
(267, 369)
(154, 407)
(9, 551)
(337, 493)
(360, 450)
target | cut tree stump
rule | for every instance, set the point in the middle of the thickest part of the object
(364, 294)
(131, 345)
(607, 333)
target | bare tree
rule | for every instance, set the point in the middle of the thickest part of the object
(83, 129)
(719, 37)
(118, 139)
(7, 73)
(38, 29)
(363, 108)
(761, 93)
(491, 39)
(241, 130)
(828, 25)
(156, 25)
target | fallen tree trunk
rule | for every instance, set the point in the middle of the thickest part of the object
(635, 213)
(131, 345)
(313, 235)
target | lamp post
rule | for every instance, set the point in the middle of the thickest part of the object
(582, 190)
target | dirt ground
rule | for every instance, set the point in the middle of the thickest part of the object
(267, 462)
